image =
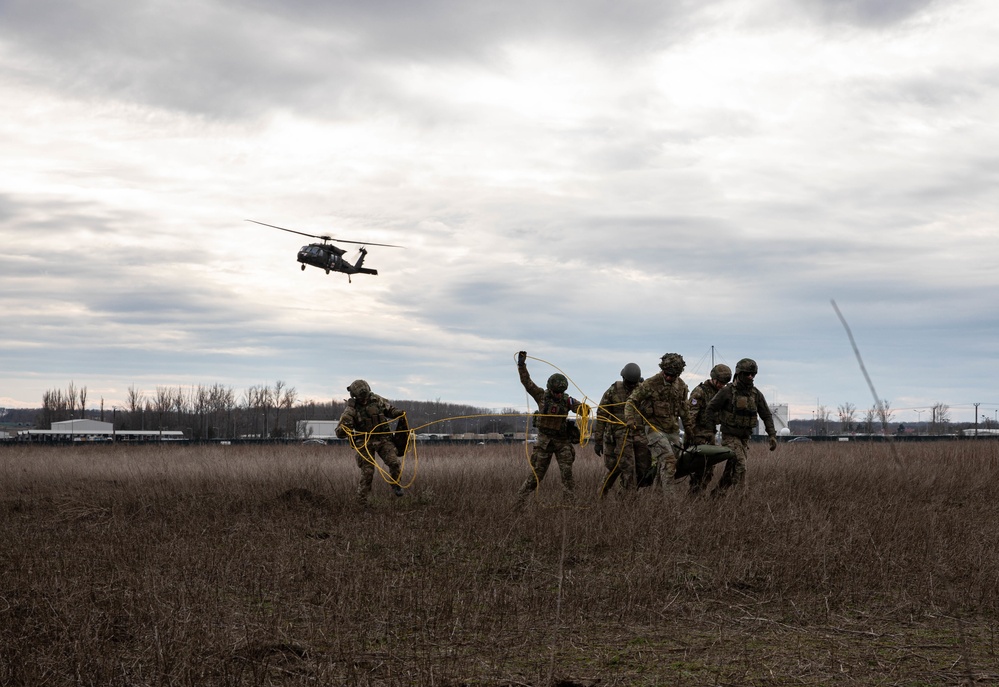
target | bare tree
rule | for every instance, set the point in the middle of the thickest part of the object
(885, 414)
(71, 399)
(82, 394)
(135, 400)
(869, 417)
(847, 415)
(258, 403)
(276, 398)
(179, 403)
(163, 403)
(288, 402)
(822, 415)
(54, 408)
(940, 414)
(201, 403)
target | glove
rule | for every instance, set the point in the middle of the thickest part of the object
(773, 443)
(521, 358)
(598, 446)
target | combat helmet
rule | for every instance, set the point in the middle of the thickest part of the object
(558, 383)
(359, 389)
(631, 373)
(721, 373)
(672, 364)
(746, 365)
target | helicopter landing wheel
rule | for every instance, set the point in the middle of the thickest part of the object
(303, 268)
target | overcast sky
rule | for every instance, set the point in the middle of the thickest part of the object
(595, 182)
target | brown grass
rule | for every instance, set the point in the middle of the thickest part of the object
(249, 566)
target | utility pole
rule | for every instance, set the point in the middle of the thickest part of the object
(976, 418)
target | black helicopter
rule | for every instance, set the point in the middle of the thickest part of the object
(328, 257)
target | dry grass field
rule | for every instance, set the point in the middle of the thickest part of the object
(840, 564)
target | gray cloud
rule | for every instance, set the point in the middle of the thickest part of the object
(236, 60)
(880, 14)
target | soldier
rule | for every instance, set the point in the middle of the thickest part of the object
(737, 406)
(366, 423)
(553, 438)
(703, 431)
(625, 452)
(659, 404)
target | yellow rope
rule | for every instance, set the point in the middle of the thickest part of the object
(359, 441)
(365, 453)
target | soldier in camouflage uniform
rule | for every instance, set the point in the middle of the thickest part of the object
(366, 423)
(737, 406)
(659, 404)
(553, 439)
(626, 453)
(703, 431)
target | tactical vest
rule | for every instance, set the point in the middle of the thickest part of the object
(741, 416)
(370, 415)
(551, 414)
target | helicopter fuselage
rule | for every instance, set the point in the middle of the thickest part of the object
(328, 257)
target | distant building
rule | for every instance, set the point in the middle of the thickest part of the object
(95, 430)
(317, 429)
(782, 415)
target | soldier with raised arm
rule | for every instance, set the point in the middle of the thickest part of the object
(553, 441)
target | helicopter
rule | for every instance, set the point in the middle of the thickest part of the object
(329, 257)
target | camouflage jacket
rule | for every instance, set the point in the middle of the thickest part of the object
(372, 415)
(737, 406)
(553, 409)
(610, 414)
(703, 431)
(659, 404)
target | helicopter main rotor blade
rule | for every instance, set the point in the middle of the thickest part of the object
(291, 231)
(367, 243)
(325, 237)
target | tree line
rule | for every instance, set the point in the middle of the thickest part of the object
(876, 419)
(216, 411)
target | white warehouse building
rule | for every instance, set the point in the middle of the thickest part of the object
(95, 430)
(317, 429)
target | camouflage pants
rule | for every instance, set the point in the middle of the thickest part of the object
(661, 447)
(541, 457)
(383, 447)
(626, 456)
(735, 467)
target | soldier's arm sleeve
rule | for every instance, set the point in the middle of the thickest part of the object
(536, 392)
(604, 415)
(346, 422)
(763, 408)
(632, 407)
(391, 412)
(695, 404)
(685, 415)
(717, 403)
